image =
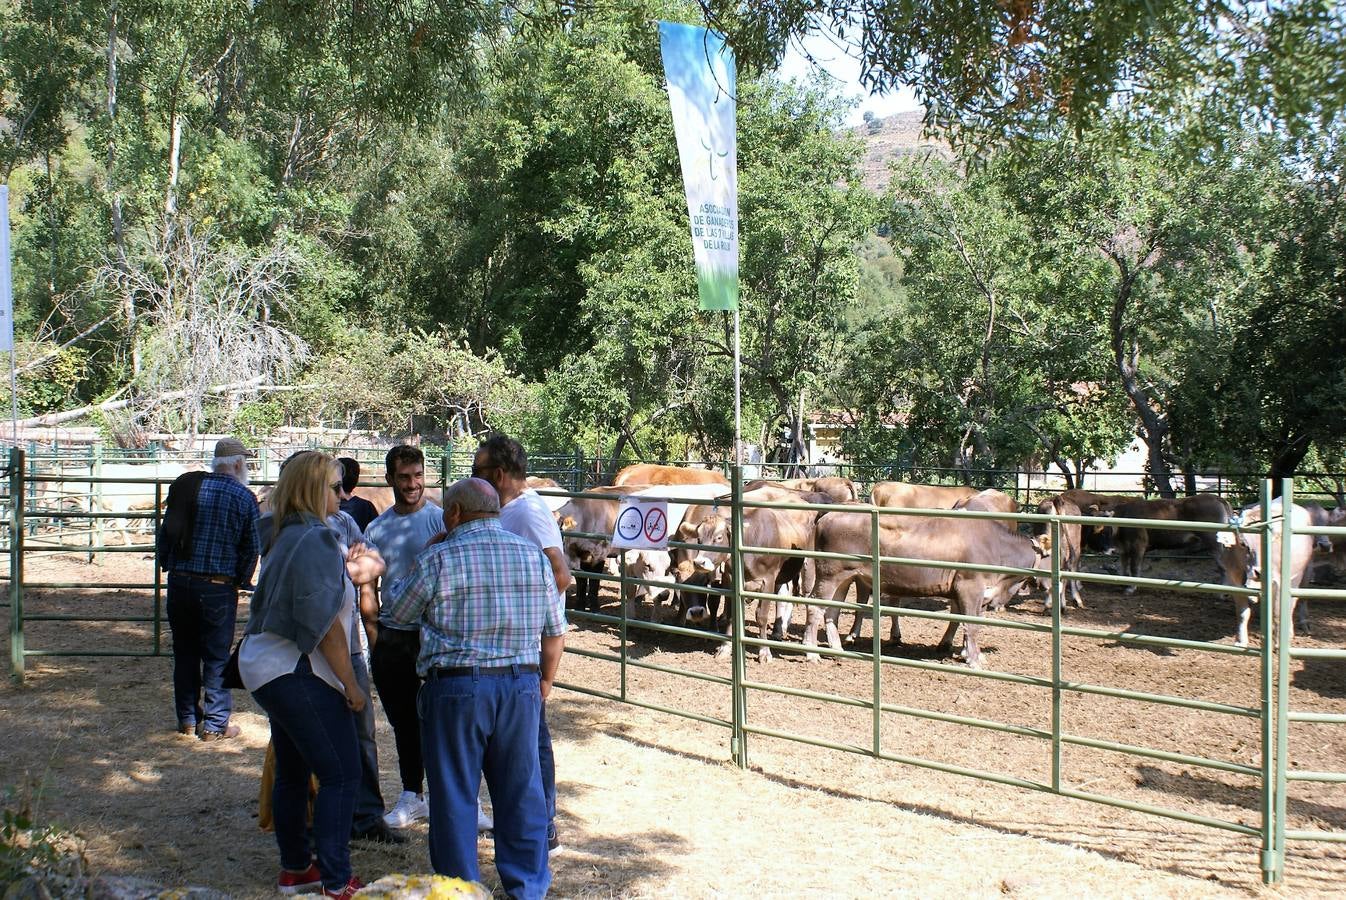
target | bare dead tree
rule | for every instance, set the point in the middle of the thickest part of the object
(205, 315)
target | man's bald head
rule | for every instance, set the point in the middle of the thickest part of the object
(469, 499)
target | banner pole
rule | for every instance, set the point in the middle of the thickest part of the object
(738, 394)
(7, 313)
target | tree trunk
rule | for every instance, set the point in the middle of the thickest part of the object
(1285, 462)
(1126, 355)
(114, 191)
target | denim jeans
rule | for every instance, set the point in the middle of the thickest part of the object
(486, 724)
(369, 797)
(201, 616)
(547, 765)
(313, 732)
(393, 664)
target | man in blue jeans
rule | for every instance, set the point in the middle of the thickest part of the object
(501, 460)
(208, 558)
(491, 640)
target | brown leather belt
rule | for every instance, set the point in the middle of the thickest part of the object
(213, 579)
(469, 671)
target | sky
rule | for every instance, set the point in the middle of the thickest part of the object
(830, 57)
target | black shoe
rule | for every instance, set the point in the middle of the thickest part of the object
(378, 833)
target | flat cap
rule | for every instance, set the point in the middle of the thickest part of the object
(231, 447)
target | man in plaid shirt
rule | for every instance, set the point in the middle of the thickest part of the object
(203, 588)
(491, 640)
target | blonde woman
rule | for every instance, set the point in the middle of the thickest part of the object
(295, 660)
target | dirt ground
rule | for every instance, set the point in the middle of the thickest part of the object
(650, 804)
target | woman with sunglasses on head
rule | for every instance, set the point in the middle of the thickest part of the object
(295, 659)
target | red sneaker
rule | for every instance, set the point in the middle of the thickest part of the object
(308, 881)
(350, 890)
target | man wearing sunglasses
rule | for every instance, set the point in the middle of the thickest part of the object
(502, 462)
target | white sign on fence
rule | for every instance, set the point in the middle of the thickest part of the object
(642, 524)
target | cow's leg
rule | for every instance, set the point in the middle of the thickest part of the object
(1242, 613)
(968, 604)
(726, 647)
(862, 595)
(1133, 555)
(784, 611)
(1075, 598)
(1299, 611)
(829, 588)
(766, 614)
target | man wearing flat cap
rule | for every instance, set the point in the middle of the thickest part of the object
(208, 546)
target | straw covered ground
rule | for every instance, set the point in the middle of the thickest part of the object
(651, 806)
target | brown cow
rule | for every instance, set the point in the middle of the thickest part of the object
(1098, 538)
(780, 529)
(992, 501)
(1239, 555)
(841, 490)
(650, 473)
(976, 541)
(590, 555)
(1070, 547)
(1135, 541)
(918, 496)
(1329, 556)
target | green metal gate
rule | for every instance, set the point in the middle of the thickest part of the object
(1273, 714)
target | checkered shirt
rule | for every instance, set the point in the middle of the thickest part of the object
(482, 597)
(224, 541)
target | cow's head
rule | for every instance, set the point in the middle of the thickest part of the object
(713, 531)
(1238, 561)
(1100, 538)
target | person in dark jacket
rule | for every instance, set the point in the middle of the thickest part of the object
(358, 508)
(209, 553)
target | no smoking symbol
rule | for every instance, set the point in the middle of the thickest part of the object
(656, 525)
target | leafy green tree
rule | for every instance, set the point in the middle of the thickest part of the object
(995, 71)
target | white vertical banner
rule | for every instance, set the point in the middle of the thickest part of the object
(6, 285)
(702, 92)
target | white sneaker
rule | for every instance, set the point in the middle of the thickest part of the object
(484, 822)
(408, 809)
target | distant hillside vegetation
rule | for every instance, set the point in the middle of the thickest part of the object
(890, 138)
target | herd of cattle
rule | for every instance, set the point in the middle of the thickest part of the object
(694, 577)
(683, 573)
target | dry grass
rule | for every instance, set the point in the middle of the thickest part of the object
(651, 807)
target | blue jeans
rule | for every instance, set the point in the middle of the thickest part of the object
(369, 797)
(488, 724)
(547, 764)
(201, 616)
(313, 732)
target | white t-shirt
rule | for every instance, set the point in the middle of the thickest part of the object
(400, 539)
(527, 516)
(264, 657)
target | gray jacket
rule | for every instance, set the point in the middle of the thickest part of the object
(302, 582)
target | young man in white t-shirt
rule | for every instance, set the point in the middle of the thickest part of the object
(502, 461)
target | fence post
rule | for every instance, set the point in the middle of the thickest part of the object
(876, 587)
(577, 480)
(158, 573)
(622, 589)
(16, 501)
(738, 741)
(1284, 640)
(1271, 752)
(1056, 596)
(95, 497)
